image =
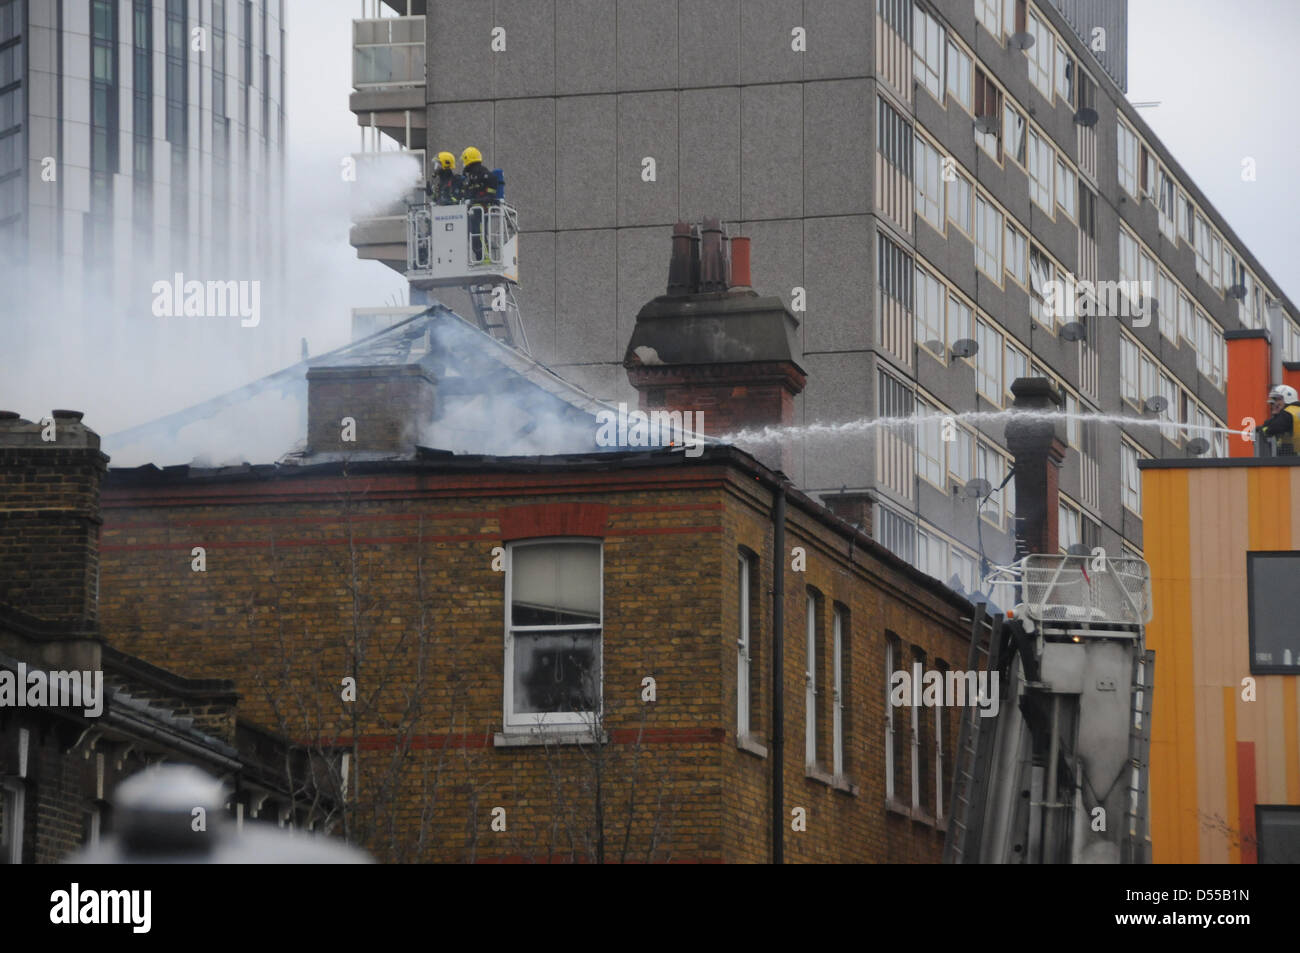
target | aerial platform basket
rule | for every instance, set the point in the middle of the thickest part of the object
(441, 252)
(1072, 590)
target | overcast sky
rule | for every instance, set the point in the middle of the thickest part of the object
(1214, 67)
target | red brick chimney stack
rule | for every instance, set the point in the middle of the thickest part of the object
(713, 348)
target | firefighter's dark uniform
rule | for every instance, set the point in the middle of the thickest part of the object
(1285, 427)
(479, 186)
(445, 189)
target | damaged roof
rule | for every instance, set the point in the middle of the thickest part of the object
(491, 399)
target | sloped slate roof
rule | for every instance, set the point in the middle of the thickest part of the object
(490, 399)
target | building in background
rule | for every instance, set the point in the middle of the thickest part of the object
(140, 139)
(913, 176)
(1223, 542)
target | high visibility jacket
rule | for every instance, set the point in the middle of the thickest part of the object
(1285, 427)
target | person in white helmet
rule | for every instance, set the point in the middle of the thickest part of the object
(1284, 425)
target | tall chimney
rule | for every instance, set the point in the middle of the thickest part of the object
(725, 353)
(1038, 446)
(50, 474)
(379, 409)
(1249, 380)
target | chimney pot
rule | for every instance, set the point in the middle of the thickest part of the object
(740, 263)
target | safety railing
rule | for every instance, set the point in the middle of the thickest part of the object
(1077, 589)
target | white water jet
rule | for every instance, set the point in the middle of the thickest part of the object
(867, 424)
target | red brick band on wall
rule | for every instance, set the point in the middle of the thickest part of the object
(619, 736)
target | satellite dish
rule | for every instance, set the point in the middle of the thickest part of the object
(1073, 331)
(1238, 292)
(1197, 446)
(1086, 116)
(1022, 41)
(1078, 549)
(1155, 404)
(977, 488)
(987, 124)
(935, 346)
(964, 347)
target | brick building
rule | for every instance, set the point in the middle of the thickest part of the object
(60, 763)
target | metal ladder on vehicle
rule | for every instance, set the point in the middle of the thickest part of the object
(1137, 846)
(503, 323)
(970, 780)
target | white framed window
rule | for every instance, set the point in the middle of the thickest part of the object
(928, 49)
(1070, 523)
(1064, 74)
(1014, 130)
(744, 654)
(1168, 297)
(988, 362)
(1169, 391)
(960, 194)
(1042, 170)
(960, 321)
(929, 183)
(1131, 476)
(989, 13)
(839, 647)
(988, 238)
(1040, 56)
(1016, 363)
(1186, 214)
(929, 305)
(1186, 320)
(932, 554)
(988, 105)
(1128, 160)
(1041, 271)
(1216, 262)
(554, 606)
(810, 681)
(892, 747)
(1129, 372)
(960, 79)
(962, 565)
(1148, 377)
(1009, 20)
(942, 668)
(961, 456)
(1147, 277)
(930, 463)
(1166, 200)
(12, 802)
(1016, 251)
(1202, 247)
(1067, 188)
(1071, 422)
(991, 466)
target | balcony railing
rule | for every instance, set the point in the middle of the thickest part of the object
(388, 52)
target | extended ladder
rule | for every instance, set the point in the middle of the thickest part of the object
(974, 750)
(497, 313)
(1136, 847)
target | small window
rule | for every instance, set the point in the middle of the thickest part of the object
(1274, 639)
(813, 692)
(1066, 187)
(840, 696)
(1013, 133)
(1042, 171)
(553, 635)
(746, 667)
(1128, 160)
(988, 238)
(960, 77)
(1040, 56)
(960, 322)
(960, 194)
(930, 462)
(988, 13)
(988, 362)
(929, 183)
(1277, 829)
(894, 765)
(930, 297)
(928, 46)
(1131, 488)
(1017, 256)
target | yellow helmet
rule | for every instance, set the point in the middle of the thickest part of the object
(470, 155)
(446, 160)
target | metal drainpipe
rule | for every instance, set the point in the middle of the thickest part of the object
(778, 677)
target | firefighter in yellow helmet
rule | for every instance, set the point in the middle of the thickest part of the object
(445, 189)
(1284, 424)
(479, 187)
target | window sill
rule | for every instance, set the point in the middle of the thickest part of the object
(845, 786)
(751, 744)
(814, 773)
(533, 737)
(897, 807)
